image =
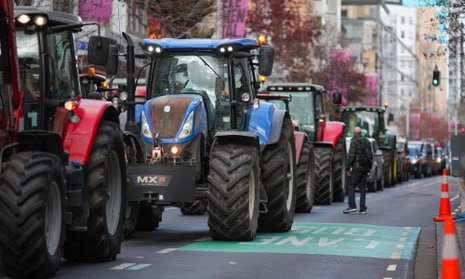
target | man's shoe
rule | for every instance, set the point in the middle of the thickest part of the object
(349, 210)
(363, 212)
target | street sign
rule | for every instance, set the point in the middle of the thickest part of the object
(81, 45)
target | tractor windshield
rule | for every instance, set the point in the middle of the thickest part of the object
(301, 107)
(199, 73)
(62, 70)
(367, 120)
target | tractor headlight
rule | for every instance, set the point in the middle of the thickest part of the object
(40, 20)
(145, 127)
(187, 127)
(23, 19)
(438, 160)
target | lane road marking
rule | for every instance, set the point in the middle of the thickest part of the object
(391, 267)
(455, 197)
(167, 250)
(122, 266)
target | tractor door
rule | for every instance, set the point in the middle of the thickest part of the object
(6, 80)
(320, 122)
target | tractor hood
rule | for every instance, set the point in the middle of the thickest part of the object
(173, 118)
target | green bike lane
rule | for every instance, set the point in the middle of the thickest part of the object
(322, 244)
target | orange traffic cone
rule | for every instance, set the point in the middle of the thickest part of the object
(444, 202)
(450, 262)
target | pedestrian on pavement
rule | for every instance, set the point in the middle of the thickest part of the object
(359, 164)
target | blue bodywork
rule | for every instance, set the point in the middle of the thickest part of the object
(198, 44)
(198, 127)
(260, 121)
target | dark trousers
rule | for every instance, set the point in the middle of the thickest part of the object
(358, 178)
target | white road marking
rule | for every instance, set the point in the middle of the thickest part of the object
(387, 277)
(454, 198)
(139, 257)
(403, 239)
(408, 228)
(400, 246)
(391, 267)
(395, 256)
(122, 266)
(404, 233)
(167, 250)
(233, 263)
(203, 238)
(316, 207)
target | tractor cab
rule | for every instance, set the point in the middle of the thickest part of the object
(47, 64)
(307, 106)
(369, 119)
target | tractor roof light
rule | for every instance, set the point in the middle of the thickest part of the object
(154, 49)
(262, 40)
(91, 71)
(40, 20)
(224, 49)
(262, 79)
(104, 84)
(23, 19)
(71, 105)
(386, 104)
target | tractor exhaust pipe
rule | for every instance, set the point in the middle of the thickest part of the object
(131, 86)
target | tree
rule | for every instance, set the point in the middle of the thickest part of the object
(340, 75)
(183, 18)
(291, 32)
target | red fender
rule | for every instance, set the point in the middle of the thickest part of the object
(78, 138)
(300, 138)
(333, 131)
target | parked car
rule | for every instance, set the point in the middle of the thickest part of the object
(403, 162)
(421, 158)
(375, 178)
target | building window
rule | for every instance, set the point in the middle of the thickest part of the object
(410, 20)
(402, 34)
(344, 13)
(402, 20)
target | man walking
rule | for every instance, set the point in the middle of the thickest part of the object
(359, 164)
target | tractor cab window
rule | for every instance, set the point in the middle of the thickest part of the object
(194, 74)
(367, 120)
(300, 107)
(62, 67)
(27, 46)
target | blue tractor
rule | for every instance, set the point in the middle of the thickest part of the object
(209, 140)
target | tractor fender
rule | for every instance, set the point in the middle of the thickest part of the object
(277, 125)
(36, 140)
(300, 138)
(78, 137)
(236, 137)
(261, 121)
(333, 132)
(132, 140)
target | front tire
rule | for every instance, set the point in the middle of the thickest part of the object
(198, 207)
(339, 171)
(278, 176)
(32, 197)
(106, 181)
(324, 175)
(306, 179)
(148, 218)
(233, 195)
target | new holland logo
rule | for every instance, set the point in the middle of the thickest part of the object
(153, 180)
(167, 109)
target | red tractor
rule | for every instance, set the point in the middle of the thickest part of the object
(305, 158)
(63, 175)
(307, 111)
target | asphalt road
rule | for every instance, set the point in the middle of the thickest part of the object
(322, 244)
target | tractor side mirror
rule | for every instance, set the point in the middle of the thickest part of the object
(103, 52)
(337, 98)
(265, 61)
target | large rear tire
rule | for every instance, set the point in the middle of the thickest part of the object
(306, 179)
(339, 171)
(198, 207)
(32, 197)
(278, 176)
(234, 192)
(324, 175)
(106, 181)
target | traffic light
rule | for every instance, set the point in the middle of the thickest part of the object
(436, 77)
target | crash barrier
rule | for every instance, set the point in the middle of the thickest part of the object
(450, 262)
(444, 202)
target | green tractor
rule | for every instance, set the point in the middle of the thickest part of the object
(371, 119)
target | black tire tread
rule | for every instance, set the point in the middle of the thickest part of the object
(23, 190)
(228, 195)
(274, 164)
(339, 171)
(96, 244)
(305, 171)
(323, 173)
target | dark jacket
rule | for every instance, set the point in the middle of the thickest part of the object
(356, 145)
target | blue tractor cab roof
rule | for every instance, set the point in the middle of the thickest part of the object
(199, 44)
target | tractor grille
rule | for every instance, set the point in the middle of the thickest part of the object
(166, 122)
